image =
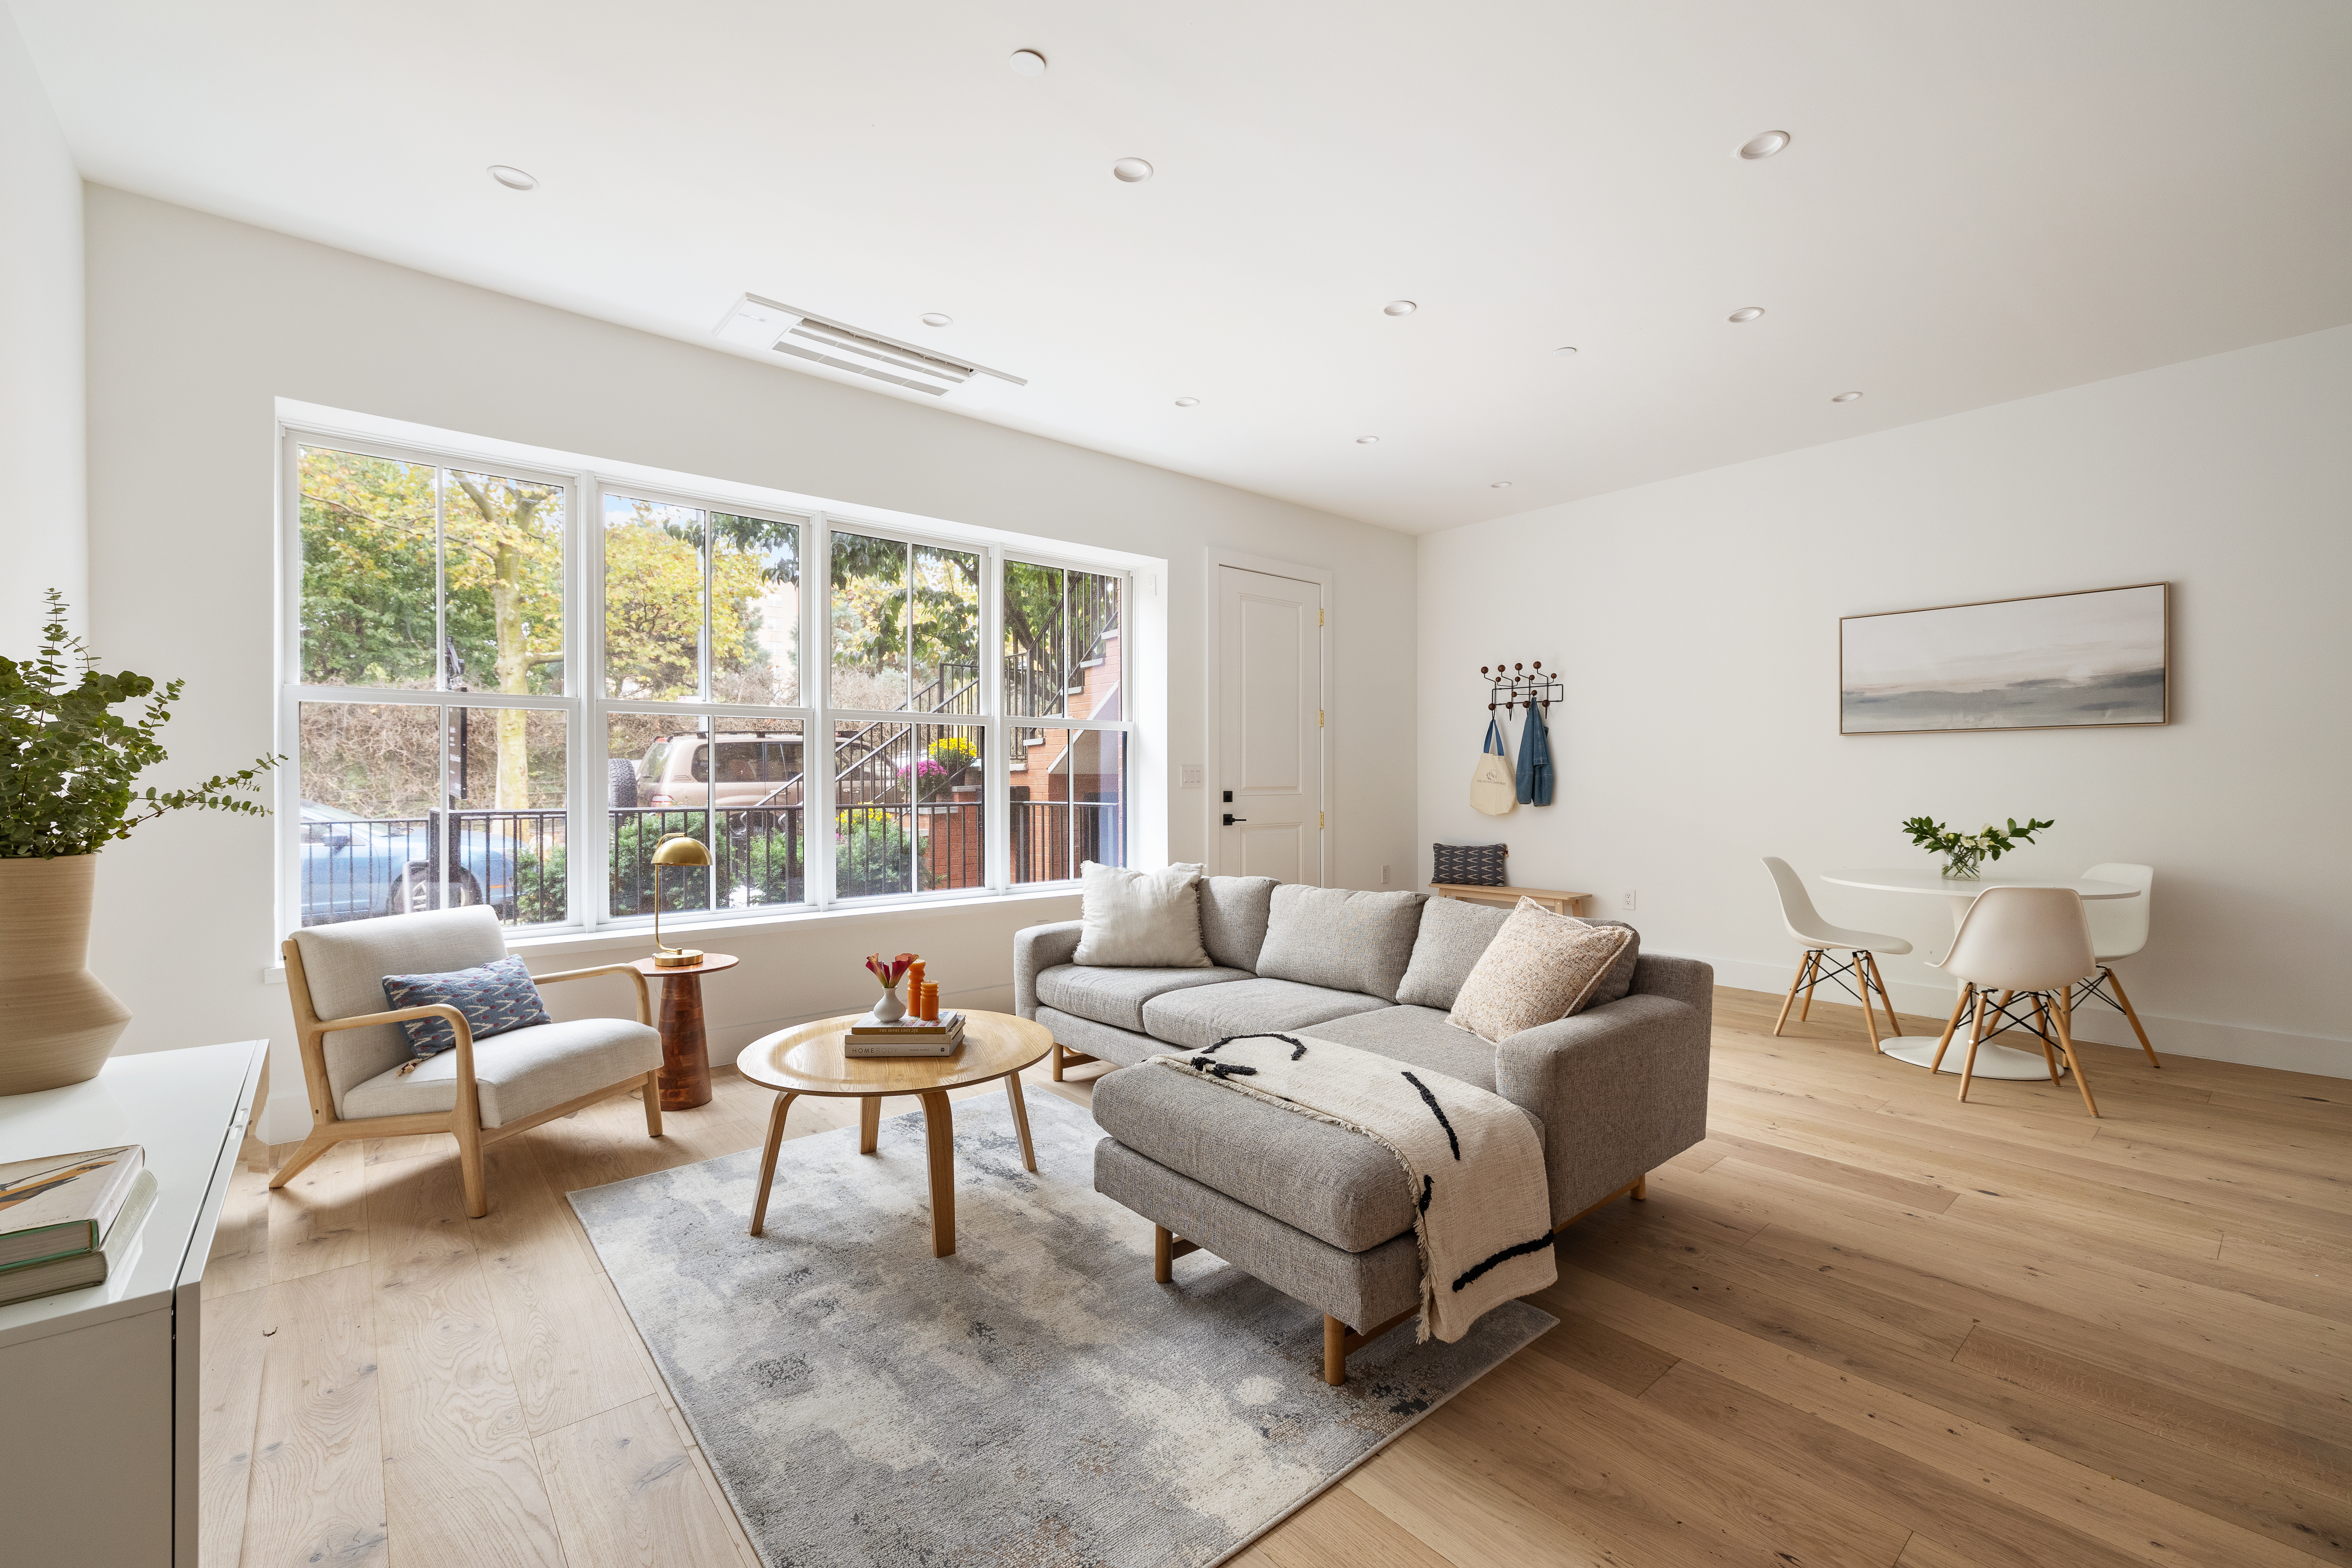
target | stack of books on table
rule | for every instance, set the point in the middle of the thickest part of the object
(869, 1037)
(68, 1219)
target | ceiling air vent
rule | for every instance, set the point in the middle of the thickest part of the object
(762, 323)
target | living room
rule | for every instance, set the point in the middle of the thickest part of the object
(1197, 447)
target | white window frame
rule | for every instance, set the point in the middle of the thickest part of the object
(586, 484)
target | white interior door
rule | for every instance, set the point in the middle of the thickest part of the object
(1270, 747)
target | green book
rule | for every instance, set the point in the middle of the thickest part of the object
(26, 1280)
(63, 1205)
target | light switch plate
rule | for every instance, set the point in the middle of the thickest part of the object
(1193, 774)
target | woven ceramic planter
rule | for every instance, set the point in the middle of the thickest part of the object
(56, 1021)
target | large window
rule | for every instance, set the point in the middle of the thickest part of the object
(510, 687)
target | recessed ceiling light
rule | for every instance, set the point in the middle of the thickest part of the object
(1399, 308)
(1027, 62)
(1500, 485)
(512, 178)
(1755, 147)
(1565, 351)
(1845, 397)
(1188, 403)
(1747, 313)
(1367, 440)
(935, 319)
(1133, 171)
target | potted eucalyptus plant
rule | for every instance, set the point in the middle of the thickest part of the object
(69, 766)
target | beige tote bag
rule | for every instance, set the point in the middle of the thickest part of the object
(1493, 789)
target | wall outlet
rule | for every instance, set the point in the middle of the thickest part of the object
(1384, 876)
(1194, 776)
(1628, 905)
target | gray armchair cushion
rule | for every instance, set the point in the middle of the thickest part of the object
(1035, 950)
(518, 1073)
(346, 965)
(1116, 996)
(1121, 1047)
(1233, 912)
(1207, 1014)
(1346, 941)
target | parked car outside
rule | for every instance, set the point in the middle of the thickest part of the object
(356, 867)
(762, 769)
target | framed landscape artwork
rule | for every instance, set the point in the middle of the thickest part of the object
(2049, 661)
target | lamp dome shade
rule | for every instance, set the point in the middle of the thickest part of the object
(678, 850)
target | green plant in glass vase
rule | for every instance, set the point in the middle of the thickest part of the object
(1965, 853)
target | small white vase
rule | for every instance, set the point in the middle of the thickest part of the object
(890, 1009)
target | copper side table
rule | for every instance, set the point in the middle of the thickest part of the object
(685, 1053)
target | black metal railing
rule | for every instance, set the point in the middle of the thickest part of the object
(357, 869)
(759, 856)
(1050, 838)
(907, 847)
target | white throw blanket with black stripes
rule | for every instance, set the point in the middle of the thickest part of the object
(1471, 1159)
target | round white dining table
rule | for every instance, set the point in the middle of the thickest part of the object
(1992, 1060)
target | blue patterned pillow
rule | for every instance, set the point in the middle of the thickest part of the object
(494, 998)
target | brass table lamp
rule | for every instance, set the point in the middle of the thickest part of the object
(674, 849)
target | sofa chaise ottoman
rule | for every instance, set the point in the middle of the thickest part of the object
(1317, 1211)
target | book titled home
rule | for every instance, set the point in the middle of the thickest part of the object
(869, 1037)
(61, 1205)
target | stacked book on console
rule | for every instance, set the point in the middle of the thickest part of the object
(68, 1219)
(869, 1037)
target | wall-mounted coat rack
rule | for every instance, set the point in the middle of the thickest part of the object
(1519, 685)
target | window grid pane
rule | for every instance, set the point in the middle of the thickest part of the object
(1068, 803)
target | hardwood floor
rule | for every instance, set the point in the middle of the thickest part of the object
(1861, 1325)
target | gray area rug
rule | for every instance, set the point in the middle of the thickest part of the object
(1034, 1399)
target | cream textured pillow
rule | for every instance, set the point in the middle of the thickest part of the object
(1540, 967)
(1140, 920)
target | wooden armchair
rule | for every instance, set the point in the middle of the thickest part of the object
(353, 1049)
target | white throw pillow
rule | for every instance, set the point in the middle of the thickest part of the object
(1141, 919)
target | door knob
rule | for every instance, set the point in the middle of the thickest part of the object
(1231, 819)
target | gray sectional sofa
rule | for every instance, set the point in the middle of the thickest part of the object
(1318, 1211)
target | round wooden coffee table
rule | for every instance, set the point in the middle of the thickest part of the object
(808, 1060)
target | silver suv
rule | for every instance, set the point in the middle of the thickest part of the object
(753, 769)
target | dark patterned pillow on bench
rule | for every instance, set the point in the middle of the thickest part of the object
(1469, 865)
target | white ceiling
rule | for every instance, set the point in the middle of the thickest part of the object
(1981, 201)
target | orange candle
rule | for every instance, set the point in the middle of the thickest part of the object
(915, 989)
(931, 1000)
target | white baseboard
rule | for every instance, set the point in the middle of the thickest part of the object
(2198, 1038)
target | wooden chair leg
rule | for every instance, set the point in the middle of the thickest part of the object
(651, 1092)
(768, 1158)
(1893, 1023)
(2066, 1044)
(2130, 1014)
(1813, 982)
(1869, 1014)
(469, 1164)
(2042, 1028)
(296, 1163)
(1950, 1024)
(1789, 1001)
(1976, 1038)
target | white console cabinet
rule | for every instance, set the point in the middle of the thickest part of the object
(98, 1387)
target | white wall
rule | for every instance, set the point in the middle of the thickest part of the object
(1696, 622)
(43, 542)
(198, 324)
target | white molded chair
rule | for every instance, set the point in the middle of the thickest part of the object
(2118, 930)
(354, 1048)
(2029, 944)
(1820, 939)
